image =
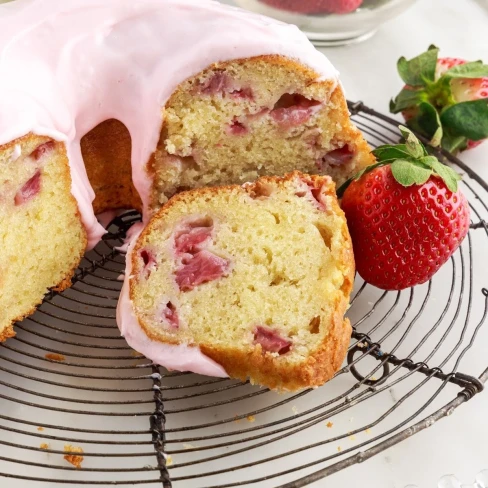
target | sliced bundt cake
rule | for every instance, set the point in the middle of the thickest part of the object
(140, 100)
(252, 281)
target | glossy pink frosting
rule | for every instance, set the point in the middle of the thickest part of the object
(67, 65)
(179, 357)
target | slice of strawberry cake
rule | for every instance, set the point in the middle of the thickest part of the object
(247, 281)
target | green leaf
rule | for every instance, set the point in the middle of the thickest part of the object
(408, 174)
(475, 69)
(469, 119)
(427, 123)
(407, 98)
(388, 152)
(429, 161)
(419, 70)
(449, 176)
(413, 145)
(453, 143)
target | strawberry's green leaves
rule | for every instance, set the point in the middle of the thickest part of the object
(468, 119)
(447, 174)
(408, 174)
(429, 161)
(453, 143)
(419, 70)
(389, 153)
(414, 147)
(427, 122)
(476, 69)
(407, 98)
(410, 164)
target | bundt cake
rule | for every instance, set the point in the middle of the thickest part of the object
(110, 104)
(248, 281)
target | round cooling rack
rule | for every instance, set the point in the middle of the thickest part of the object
(415, 356)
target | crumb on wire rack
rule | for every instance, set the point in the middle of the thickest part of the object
(75, 459)
(55, 357)
(44, 446)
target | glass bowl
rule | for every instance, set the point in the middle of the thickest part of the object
(331, 29)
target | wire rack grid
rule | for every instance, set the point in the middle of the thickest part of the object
(68, 378)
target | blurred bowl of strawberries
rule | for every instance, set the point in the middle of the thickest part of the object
(331, 22)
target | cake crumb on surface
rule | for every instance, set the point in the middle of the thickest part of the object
(352, 438)
(339, 449)
(169, 460)
(368, 431)
(329, 425)
(40, 429)
(74, 459)
(251, 418)
(44, 445)
(55, 357)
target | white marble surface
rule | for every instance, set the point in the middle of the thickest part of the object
(457, 445)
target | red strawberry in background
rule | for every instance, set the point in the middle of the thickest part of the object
(405, 214)
(444, 99)
(315, 6)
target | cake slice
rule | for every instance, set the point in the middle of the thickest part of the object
(260, 116)
(247, 281)
(41, 236)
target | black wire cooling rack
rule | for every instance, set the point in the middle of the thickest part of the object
(413, 360)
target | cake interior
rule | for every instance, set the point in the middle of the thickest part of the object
(276, 262)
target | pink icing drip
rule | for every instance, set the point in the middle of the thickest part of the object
(66, 66)
(174, 357)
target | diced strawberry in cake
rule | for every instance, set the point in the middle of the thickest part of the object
(42, 150)
(271, 341)
(222, 84)
(170, 315)
(292, 110)
(337, 157)
(29, 190)
(191, 240)
(242, 93)
(237, 128)
(314, 194)
(204, 266)
(149, 262)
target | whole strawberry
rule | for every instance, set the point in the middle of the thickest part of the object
(316, 6)
(405, 214)
(444, 99)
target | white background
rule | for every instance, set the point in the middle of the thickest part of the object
(459, 444)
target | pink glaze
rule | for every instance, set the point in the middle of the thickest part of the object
(173, 357)
(67, 65)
